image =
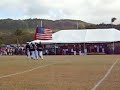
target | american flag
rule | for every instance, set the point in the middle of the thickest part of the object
(43, 34)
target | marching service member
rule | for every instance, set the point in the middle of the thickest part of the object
(27, 48)
(40, 50)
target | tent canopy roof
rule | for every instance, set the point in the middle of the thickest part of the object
(84, 36)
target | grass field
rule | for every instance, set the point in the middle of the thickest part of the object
(60, 73)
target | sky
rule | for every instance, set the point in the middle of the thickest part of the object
(91, 11)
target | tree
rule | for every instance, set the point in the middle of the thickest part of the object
(18, 33)
(1, 42)
(1, 39)
(113, 20)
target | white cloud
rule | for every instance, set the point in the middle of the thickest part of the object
(96, 11)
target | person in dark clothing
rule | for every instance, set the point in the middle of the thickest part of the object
(40, 50)
(27, 48)
(32, 49)
(36, 52)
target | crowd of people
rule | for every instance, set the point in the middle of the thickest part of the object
(36, 50)
(12, 50)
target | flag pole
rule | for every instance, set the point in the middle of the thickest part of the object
(41, 23)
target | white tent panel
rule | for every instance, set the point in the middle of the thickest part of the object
(69, 36)
(84, 36)
(103, 35)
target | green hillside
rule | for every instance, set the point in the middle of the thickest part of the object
(30, 24)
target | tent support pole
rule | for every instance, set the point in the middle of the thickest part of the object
(113, 47)
(84, 48)
(55, 48)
